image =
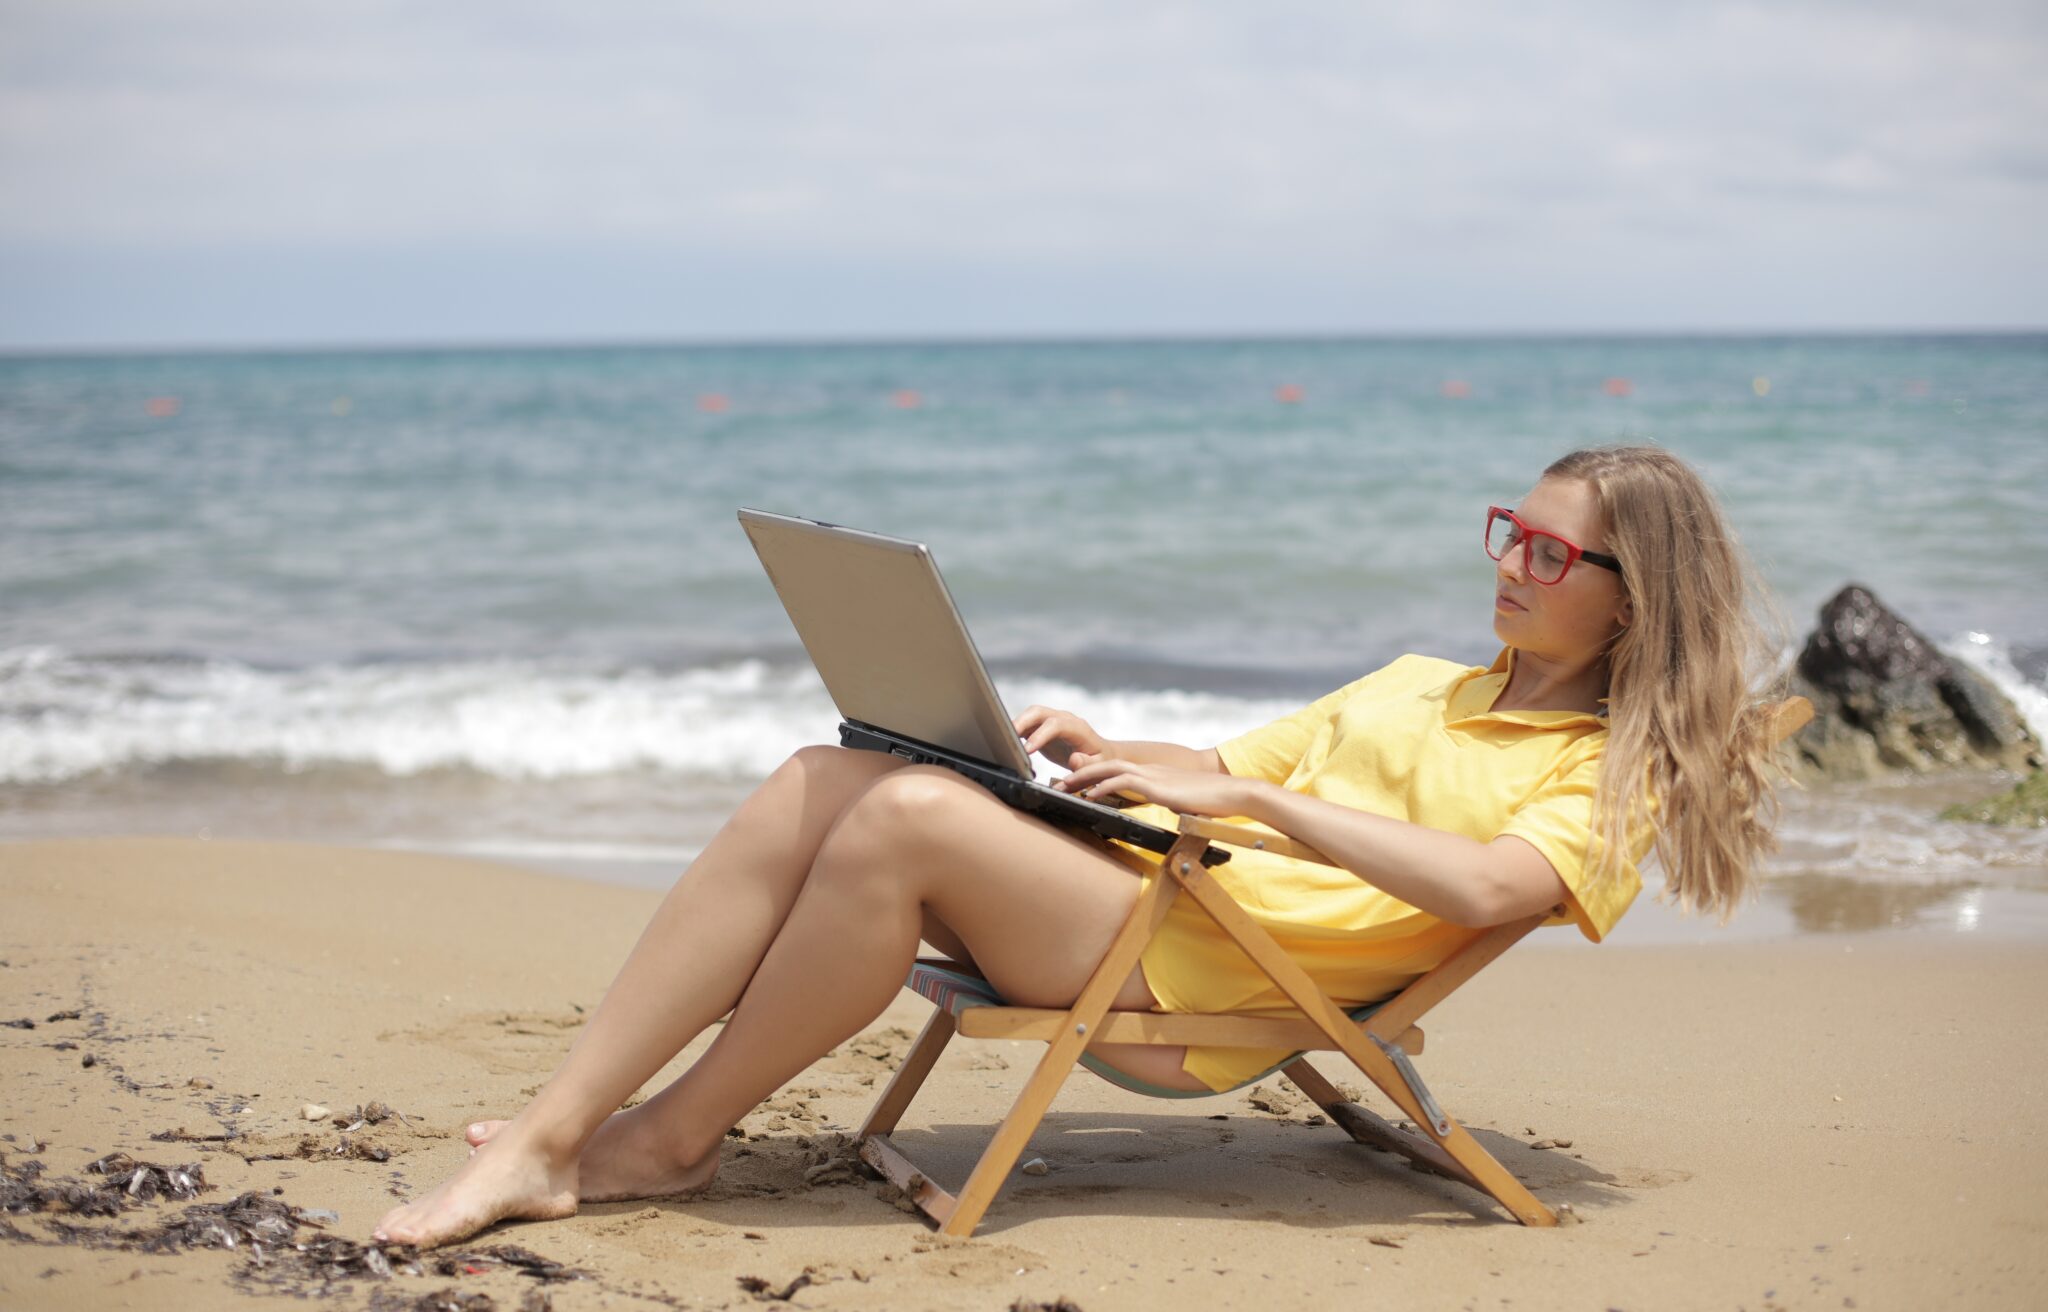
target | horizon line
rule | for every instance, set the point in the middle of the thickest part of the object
(457, 346)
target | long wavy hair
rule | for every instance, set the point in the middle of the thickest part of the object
(1691, 682)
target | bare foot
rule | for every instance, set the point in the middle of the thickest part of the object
(492, 1187)
(624, 1159)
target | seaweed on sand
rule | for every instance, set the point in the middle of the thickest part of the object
(268, 1233)
(24, 1189)
(146, 1181)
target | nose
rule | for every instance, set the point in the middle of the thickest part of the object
(1513, 563)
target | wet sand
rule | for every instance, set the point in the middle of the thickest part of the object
(1835, 1121)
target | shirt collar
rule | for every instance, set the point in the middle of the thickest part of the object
(1474, 693)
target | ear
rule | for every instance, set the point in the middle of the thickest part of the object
(1626, 615)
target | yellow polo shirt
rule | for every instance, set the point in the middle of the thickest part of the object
(1418, 741)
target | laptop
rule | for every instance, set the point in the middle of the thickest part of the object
(895, 655)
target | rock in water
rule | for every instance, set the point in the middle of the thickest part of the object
(1887, 701)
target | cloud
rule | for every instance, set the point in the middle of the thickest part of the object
(1291, 137)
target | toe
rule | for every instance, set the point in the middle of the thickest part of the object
(482, 1132)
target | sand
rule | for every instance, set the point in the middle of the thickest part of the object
(1826, 1122)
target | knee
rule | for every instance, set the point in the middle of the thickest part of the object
(838, 772)
(812, 761)
(823, 775)
(895, 818)
(787, 795)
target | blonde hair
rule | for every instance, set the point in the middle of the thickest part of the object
(1689, 737)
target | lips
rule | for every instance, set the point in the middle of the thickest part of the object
(1502, 601)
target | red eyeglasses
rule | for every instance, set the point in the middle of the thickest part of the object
(1549, 557)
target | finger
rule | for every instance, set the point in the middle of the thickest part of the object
(1120, 785)
(1100, 773)
(1052, 747)
(1072, 782)
(1094, 770)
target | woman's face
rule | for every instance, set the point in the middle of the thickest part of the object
(1575, 618)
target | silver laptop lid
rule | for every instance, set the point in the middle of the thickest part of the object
(880, 626)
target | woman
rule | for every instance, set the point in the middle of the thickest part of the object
(1451, 797)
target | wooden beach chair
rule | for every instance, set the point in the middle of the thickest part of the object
(1378, 1039)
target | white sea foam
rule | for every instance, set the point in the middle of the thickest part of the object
(1901, 840)
(1990, 658)
(360, 730)
(63, 716)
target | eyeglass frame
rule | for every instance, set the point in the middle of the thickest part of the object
(1573, 552)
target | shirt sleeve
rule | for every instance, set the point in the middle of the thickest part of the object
(1272, 751)
(1557, 821)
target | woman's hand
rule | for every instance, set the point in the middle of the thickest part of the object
(1062, 737)
(1193, 792)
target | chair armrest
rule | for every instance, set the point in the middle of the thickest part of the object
(1789, 717)
(1216, 831)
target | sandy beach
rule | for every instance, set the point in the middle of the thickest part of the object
(1821, 1122)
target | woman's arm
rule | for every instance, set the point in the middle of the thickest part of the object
(1455, 878)
(1171, 755)
(1062, 736)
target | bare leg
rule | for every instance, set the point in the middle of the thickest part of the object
(917, 855)
(632, 1155)
(1034, 906)
(688, 969)
(628, 1156)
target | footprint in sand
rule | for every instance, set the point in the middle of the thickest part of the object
(1637, 1177)
(865, 1054)
(979, 1261)
(502, 1042)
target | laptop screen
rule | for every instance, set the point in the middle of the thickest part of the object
(880, 626)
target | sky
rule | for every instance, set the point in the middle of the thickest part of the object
(252, 173)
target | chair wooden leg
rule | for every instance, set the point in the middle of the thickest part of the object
(1008, 1144)
(1455, 1156)
(1061, 1054)
(910, 1076)
(1375, 1064)
(1311, 1082)
(900, 1171)
(1495, 1179)
(1369, 1129)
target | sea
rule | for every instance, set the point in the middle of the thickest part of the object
(495, 602)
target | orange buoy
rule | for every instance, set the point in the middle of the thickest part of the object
(1288, 394)
(713, 403)
(162, 407)
(1617, 387)
(1456, 388)
(906, 398)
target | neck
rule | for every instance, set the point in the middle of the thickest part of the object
(1547, 683)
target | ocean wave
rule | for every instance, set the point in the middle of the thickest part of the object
(1900, 840)
(1995, 661)
(64, 716)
